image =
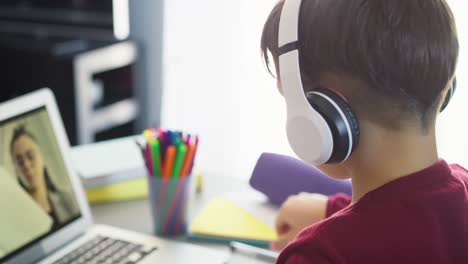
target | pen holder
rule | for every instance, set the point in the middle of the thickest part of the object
(168, 201)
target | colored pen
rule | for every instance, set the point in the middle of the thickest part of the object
(160, 132)
(167, 137)
(199, 182)
(187, 140)
(181, 151)
(256, 252)
(174, 137)
(149, 160)
(148, 135)
(156, 157)
(194, 154)
(169, 161)
(188, 160)
(144, 154)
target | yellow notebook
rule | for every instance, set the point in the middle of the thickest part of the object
(223, 221)
(126, 190)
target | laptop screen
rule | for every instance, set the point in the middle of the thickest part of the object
(36, 195)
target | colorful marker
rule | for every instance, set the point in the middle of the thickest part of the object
(188, 160)
(156, 157)
(181, 151)
(169, 161)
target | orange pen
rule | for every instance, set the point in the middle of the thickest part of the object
(188, 160)
(169, 161)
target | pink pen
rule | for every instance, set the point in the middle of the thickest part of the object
(148, 160)
(195, 153)
(187, 140)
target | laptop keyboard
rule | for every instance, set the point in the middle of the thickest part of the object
(105, 250)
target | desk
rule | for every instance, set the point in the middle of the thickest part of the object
(135, 215)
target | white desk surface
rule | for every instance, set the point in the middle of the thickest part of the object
(135, 215)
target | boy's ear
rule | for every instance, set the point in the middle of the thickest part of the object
(279, 85)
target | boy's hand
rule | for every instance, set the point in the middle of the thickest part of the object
(298, 212)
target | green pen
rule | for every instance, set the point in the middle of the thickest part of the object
(156, 158)
(181, 150)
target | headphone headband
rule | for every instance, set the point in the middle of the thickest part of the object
(290, 73)
(288, 28)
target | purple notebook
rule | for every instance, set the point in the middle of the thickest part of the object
(279, 176)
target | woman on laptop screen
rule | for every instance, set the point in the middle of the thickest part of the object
(34, 178)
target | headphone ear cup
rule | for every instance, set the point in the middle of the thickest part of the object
(449, 95)
(341, 121)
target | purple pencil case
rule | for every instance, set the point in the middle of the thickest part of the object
(279, 176)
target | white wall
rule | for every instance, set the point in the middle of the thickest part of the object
(216, 84)
(453, 123)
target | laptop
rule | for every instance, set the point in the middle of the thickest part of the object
(45, 217)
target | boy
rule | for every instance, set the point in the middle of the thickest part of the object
(393, 61)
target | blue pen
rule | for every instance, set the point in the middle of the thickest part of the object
(174, 136)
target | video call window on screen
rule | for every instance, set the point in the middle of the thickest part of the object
(36, 196)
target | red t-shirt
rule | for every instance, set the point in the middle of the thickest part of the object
(419, 218)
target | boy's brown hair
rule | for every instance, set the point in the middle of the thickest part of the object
(404, 52)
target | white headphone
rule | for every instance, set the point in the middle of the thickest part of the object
(321, 127)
